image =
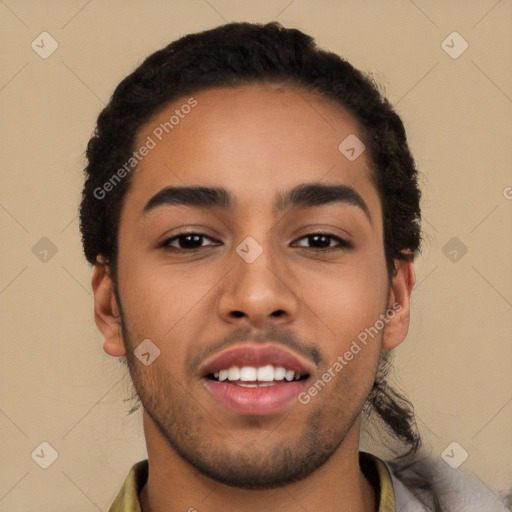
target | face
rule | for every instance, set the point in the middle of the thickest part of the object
(280, 264)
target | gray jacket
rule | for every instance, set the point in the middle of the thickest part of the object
(457, 491)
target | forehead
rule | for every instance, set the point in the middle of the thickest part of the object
(254, 140)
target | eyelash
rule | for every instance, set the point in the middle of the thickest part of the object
(343, 244)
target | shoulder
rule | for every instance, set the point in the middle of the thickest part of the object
(421, 483)
(127, 499)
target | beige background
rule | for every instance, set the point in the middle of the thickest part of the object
(58, 386)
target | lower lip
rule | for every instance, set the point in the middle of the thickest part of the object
(259, 400)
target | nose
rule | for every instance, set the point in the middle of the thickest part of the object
(258, 293)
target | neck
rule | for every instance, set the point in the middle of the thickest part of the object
(174, 485)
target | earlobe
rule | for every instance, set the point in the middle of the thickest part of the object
(106, 311)
(399, 303)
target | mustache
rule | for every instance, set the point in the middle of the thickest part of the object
(273, 334)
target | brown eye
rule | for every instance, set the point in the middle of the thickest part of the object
(322, 241)
(187, 241)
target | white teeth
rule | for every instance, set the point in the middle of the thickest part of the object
(248, 373)
(260, 385)
(263, 374)
(279, 373)
(234, 373)
(266, 373)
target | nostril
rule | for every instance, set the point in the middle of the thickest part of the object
(278, 313)
(237, 314)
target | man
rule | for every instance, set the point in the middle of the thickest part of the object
(251, 210)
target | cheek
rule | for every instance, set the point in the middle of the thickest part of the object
(349, 302)
(159, 300)
(348, 298)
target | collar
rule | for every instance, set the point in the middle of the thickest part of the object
(127, 500)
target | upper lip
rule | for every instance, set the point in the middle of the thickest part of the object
(250, 354)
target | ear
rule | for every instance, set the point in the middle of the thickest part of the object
(399, 303)
(106, 311)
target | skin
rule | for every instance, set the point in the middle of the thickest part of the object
(256, 141)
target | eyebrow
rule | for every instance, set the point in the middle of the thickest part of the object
(191, 196)
(305, 195)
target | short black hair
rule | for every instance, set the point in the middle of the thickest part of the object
(232, 55)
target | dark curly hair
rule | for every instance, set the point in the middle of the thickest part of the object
(245, 53)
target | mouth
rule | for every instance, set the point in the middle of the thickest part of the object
(251, 376)
(255, 379)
